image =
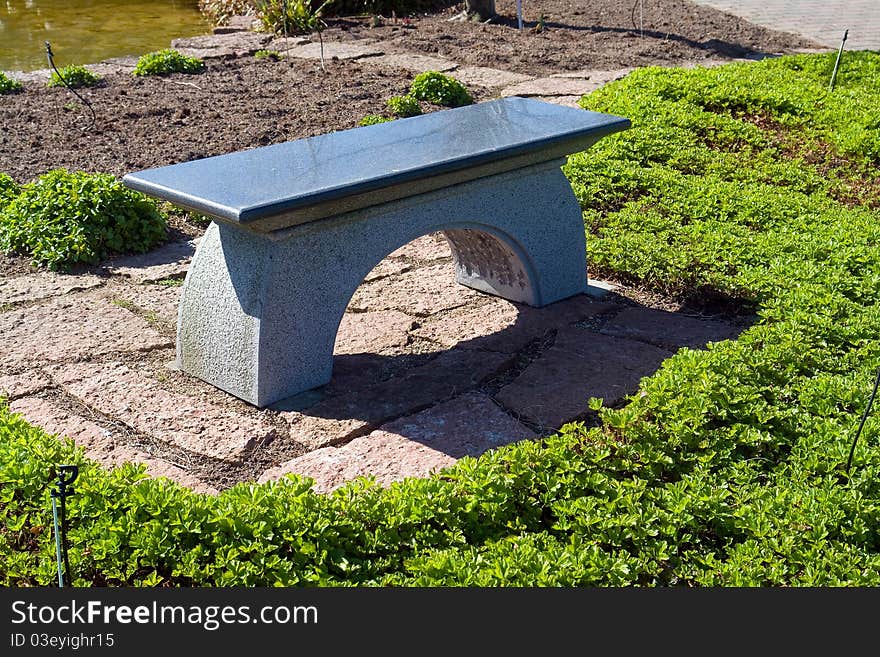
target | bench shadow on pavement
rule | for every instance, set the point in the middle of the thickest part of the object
(536, 374)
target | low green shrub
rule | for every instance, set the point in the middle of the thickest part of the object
(9, 189)
(167, 61)
(75, 76)
(373, 119)
(9, 85)
(220, 11)
(440, 89)
(65, 217)
(404, 106)
(291, 16)
(274, 55)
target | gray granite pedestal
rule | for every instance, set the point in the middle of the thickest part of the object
(259, 313)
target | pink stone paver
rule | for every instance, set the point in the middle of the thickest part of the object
(386, 268)
(99, 444)
(337, 418)
(414, 446)
(69, 328)
(423, 291)
(500, 325)
(668, 329)
(372, 332)
(143, 403)
(26, 383)
(168, 261)
(413, 62)
(42, 285)
(159, 303)
(557, 386)
(425, 249)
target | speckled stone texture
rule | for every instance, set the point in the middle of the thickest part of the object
(259, 316)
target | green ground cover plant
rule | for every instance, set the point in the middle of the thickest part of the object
(64, 218)
(440, 89)
(403, 106)
(167, 61)
(74, 76)
(9, 85)
(726, 468)
(431, 87)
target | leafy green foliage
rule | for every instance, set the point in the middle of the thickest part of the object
(9, 189)
(9, 85)
(220, 11)
(64, 218)
(274, 55)
(440, 89)
(167, 61)
(725, 469)
(373, 119)
(75, 77)
(291, 16)
(404, 106)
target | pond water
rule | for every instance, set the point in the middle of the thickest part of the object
(87, 31)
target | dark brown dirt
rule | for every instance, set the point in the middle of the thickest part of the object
(244, 102)
(576, 35)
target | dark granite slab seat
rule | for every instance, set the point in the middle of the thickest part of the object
(278, 186)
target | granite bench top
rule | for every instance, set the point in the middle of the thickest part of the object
(274, 187)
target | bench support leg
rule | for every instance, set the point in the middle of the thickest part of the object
(259, 313)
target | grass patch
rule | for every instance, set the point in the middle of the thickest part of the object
(726, 469)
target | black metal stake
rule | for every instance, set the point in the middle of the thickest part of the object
(67, 474)
(837, 62)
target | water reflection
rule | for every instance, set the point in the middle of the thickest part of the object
(86, 31)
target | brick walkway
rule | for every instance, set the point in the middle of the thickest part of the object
(821, 20)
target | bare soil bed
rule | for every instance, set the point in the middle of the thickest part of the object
(570, 35)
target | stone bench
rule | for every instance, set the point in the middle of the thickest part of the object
(298, 225)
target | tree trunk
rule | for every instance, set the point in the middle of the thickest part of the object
(485, 9)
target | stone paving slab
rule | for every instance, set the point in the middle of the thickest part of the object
(349, 412)
(581, 364)
(426, 248)
(26, 383)
(333, 50)
(144, 403)
(566, 101)
(420, 292)
(387, 268)
(236, 44)
(481, 76)
(372, 332)
(823, 21)
(157, 304)
(552, 86)
(70, 328)
(169, 261)
(43, 285)
(665, 329)
(99, 444)
(594, 76)
(413, 62)
(500, 325)
(414, 446)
